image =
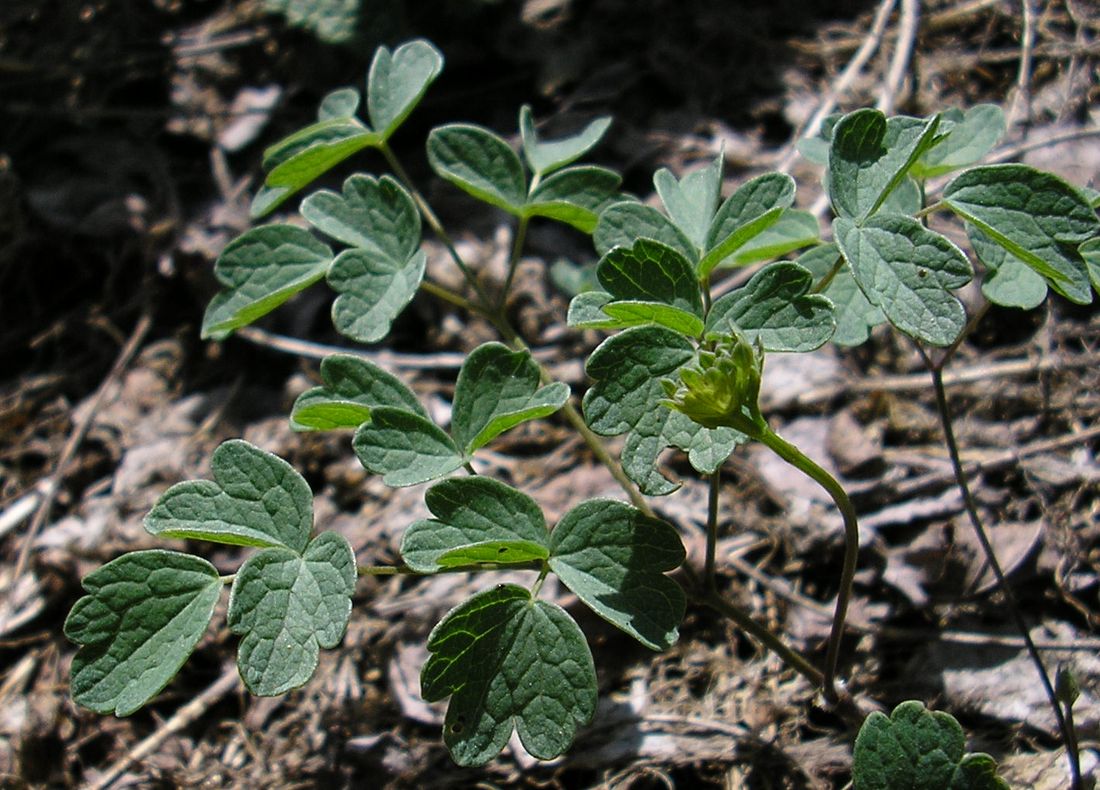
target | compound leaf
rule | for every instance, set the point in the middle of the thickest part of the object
(1008, 281)
(377, 215)
(144, 614)
(404, 447)
(753, 208)
(260, 270)
(692, 200)
(352, 386)
(255, 499)
(497, 389)
(621, 224)
(1036, 216)
(373, 290)
(908, 271)
(855, 316)
(614, 558)
(397, 81)
(918, 749)
(628, 368)
(480, 163)
(574, 196)
(870, 155)
(546, 157)
(287, 605)
(477, 519)
(650, 271)
(508, 661)
(776, 308)
(970, 136)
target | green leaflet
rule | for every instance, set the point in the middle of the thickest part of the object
(477, 519)
(626, 398)
(340, 103)
(793, 230)
(373, 290)
(870, 155)
(405, 448)
(1036, 216)
(287, 605)
(480, 163)
(586, 311)
(509, 661)
(144, 614)
(1008, 281)
(1090, 252)
(691, 201)
(397, 82)
(628, 313)
(319, 139)
(614, 558)
(621, 224)
(546, 157)
(908, 271)
(352, 386)
(970, 136)
(649, 271)
(255, 499)
(496, 390)
(574, 196)
(377, 215)
(756, 206)
(260, 270)
(918, 749)
(855, 316)
(776, 308)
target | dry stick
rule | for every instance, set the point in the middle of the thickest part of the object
(75, 439)
(1014, 151)
(1023, 76)
(183, 717)
(843, 82)
(903, 50)
(991, 558)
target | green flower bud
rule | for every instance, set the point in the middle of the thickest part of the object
(722, 387)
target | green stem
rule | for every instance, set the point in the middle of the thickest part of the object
(924, 212)
(470, 468)
(447, 295)
(709, 578)
(228, 579)
(792, 455)
(971, 508)
(405, 570)
(537, 587)
(518, 240)
(827, 280)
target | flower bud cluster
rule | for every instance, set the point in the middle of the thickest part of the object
(722, 386)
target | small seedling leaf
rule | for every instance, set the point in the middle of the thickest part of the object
(908, 271)
(377, 215)
(546, 157)
(480, 163)
(918, 749)
(624, 223)
(1008, 281)
(626, 398)
(649, 271)
(970, 136)
(575, 196)
(397, 81)
(869, 157)
(260, 270)
(352, 387)
(855, 316)
(692, 200)
(497, 389)
(508, 661)
(373, 290)
(287, 605)
(1036, 216)
(340, 103)
(477, 520)
(404, 447)
(255, 499)
(142, 617)
(614, 558)
(776, 308)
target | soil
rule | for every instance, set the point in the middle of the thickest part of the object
(130, 147)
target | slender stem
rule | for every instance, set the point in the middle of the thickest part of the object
(712, 531)
(827, 280)
(596, 445)
(470, 468)
(405, 570)
(537, 588)
(447, 295)
(924, 212)
(228, 579)
(762, 634)
(1002, 583)
(518, 240)
(792, 455)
